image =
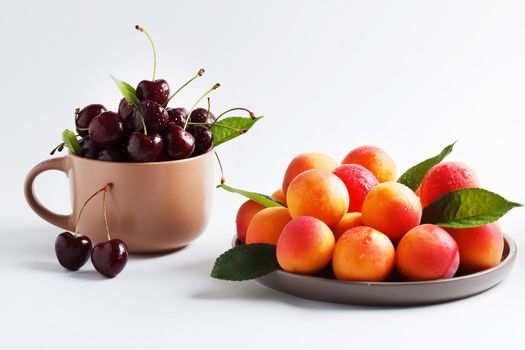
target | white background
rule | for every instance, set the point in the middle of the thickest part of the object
(408, 76)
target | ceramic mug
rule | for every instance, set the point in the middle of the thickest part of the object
(153, 207)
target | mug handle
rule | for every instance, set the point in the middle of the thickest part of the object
(62, 164)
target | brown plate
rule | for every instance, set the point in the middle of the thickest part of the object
(391, 293)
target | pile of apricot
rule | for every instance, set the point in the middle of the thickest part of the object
(355, 221)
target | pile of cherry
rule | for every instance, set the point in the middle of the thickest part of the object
(74, 250)
(144, 129)
(148, 133)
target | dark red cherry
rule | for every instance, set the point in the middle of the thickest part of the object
(144, 148)
(203, 138)
(177, 115)
(111, 154)
(110, 257)
(88, 149)
(72, 252)
(180, 144)
(86, 115)
(163, 157)
(126, 111)
(199, 115)
(106, 129)
(156, 91)
(155, 117)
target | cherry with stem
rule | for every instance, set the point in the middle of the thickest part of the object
(73, 251)
(214, 87)
(110, 257)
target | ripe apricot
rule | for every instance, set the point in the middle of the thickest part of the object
(392, 208)
(374, 159)
(305, 246)
(266, 225)
(350, 220)
(358, 181)
(446, 177)
(306, 161)
(244, 216)
(320, 194)
(480, 247)
(279, 196)
(427, 252)
(363, 254)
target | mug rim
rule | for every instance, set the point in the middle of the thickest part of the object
(142, 163)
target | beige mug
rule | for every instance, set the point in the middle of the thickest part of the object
(153, 207)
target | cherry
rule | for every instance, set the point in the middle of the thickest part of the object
(111, 154)
(180, 144)
(88, 149)
(203, 138)
(156, 91)
(84, 116)
(126, 111)
(200, 115)
(178, 115)
(109, 258)
(72, 251)
(106, 129)
(144, 148)
(154, 115)
(162, 157)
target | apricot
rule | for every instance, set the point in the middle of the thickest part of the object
(278, 195)
(392, 208)
(358, 181)
(363, 254)
(320, 194)
(244, 216)
(374, 159)
(427, 252)
(446, 177)
(306, 161)
(480, 247)
(350, 220)
(305, 246)
(266, 225)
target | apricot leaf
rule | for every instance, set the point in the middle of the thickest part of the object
(229, 128)
(413, 176)
(245, 262)
(262, 199)
(71, 142)
(127, 91)
(467, 207)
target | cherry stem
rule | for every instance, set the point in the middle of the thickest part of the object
(143, 124)
(199, 74)
(214, 87)
(104, 208)
(252, 115)
(140, 29)
(223, 179)
(84, 206)
(209, 107)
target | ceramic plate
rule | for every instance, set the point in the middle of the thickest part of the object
(391, 293)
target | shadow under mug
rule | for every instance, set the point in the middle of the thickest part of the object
(152, 207)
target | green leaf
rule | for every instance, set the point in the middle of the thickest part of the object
(262, 199)
(71, 142)
(413, 176)
(245, 262)
(467, 207)
(229, 128)
(127, 91)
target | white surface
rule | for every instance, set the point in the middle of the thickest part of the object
(409, 76)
